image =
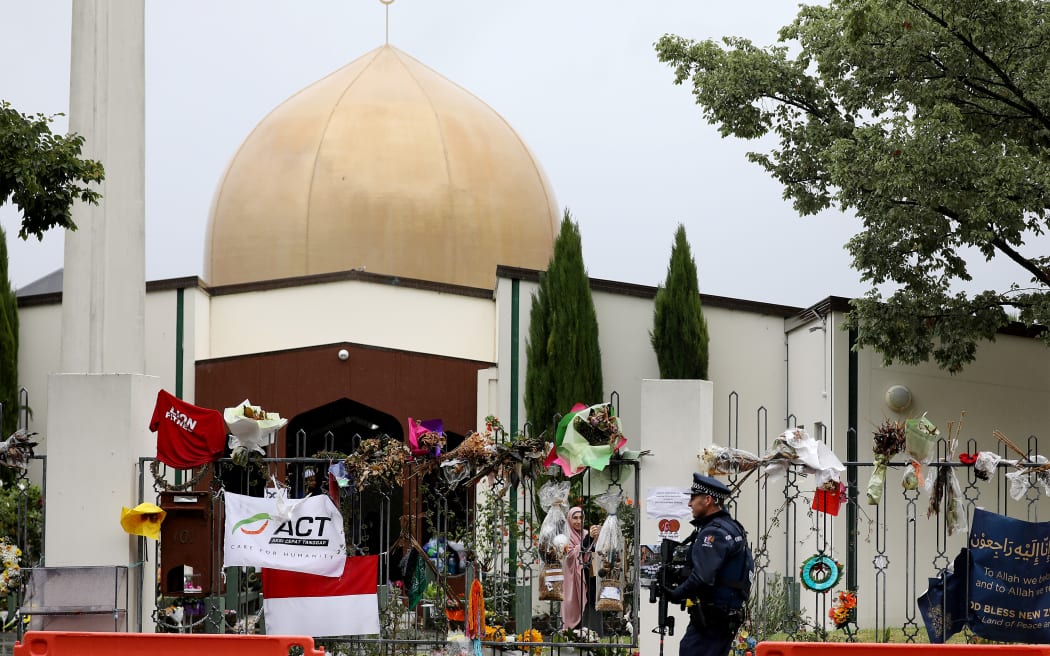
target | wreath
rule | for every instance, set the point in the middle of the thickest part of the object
(160, 483)
(820, 573)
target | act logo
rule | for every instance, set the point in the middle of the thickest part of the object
(261, 517)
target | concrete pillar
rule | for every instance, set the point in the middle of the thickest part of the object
(103, 286)
(677, 422)
(99, 407)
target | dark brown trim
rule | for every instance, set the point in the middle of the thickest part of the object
(283, 283)
(817, 310)
(54, 298)
(314, 347)
(341, 276)
(164, 284)
(1018, 329)
(184, 282)
(646, 291)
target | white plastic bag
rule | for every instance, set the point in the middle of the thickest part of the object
(554, 499)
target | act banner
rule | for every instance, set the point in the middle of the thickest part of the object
(1009, 579)
(298, 535)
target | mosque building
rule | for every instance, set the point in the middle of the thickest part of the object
(371, 254)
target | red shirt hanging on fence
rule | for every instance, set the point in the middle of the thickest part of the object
(187, 436)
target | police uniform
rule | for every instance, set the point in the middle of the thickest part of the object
(720, 582)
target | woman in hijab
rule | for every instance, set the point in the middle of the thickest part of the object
(577, 570)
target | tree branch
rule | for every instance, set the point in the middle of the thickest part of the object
(1031, 108)
(1021, 260)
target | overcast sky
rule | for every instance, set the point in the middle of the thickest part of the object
(626, 151)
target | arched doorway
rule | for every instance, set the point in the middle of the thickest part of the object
(335, 429)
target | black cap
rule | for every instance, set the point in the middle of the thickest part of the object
(707, 485)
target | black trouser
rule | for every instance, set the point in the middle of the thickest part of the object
(711, 630)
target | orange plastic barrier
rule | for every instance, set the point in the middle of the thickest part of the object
(886, 649)
(60, 643)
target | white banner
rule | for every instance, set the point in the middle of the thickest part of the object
(299, 535)
(663, 502)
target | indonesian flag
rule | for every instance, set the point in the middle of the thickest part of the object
(323, 606)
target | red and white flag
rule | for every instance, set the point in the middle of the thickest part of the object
(320, 606)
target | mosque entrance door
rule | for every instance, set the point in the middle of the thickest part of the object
(331, 432)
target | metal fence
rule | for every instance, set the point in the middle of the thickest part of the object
(887, 552)
(468, 525)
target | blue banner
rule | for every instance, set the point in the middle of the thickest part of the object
(943, 605)
(1009, 579)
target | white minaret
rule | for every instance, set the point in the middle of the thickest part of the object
(103, 286)
(101, 403)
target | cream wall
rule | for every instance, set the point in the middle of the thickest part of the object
(1005, 389)
(41, 325)
(505, 348)
(809, 374)
(628, 358)
(199, 348)
(39, 336)
(352, 311)
(746, 356)
(161, 328)
(772, 373)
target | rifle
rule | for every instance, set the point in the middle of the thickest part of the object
(658, 594)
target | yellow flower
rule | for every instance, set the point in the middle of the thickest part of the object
(532, 635)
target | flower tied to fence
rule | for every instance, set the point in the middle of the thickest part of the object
(844, 609)
(12, 575)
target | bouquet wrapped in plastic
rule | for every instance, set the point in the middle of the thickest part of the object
(1030, 469)
(920, 436)
(251, 430)
(888, 441)
(426, 438)
(727, 460)
(609, 556)
(553, 541)
(943, 486)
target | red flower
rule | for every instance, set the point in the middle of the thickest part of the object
(968, 458)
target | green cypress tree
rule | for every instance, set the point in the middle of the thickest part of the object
(564, 359)
(8, 346)
(539, 388)
(679, 334)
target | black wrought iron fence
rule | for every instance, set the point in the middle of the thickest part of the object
(469, 524)
(883, 554)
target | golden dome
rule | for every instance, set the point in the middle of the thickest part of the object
(386, 165)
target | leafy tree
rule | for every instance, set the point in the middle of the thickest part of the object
(679, 334)
(42, 173)
(564, 360)
(930, 119)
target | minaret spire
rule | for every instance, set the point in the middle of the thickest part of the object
(387, 4)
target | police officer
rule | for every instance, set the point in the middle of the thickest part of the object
(720, 582)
